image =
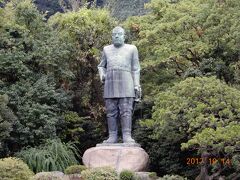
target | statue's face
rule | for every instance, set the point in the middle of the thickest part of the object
(118, 36)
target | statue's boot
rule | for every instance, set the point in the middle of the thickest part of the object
(126, 123)
(112, 129)
(127, 137)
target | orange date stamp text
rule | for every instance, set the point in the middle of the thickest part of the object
(211, 160)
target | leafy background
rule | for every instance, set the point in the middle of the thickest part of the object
(51, 96)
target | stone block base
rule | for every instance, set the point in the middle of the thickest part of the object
(119, 157)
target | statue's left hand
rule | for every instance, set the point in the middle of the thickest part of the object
(138, 93)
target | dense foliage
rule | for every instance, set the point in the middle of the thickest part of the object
(176, 40)
(32, 59)
(103, 173)
(75, 169)
(124, 8)
(172, 177)
(126, 175)
(50, 88)
(199, 113)
(7, 119)
(45, 73)
(187, 38)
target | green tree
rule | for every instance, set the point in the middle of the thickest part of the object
(165, 155)
(7, 119)
(180, 39)
(82, 131)
(39, 107)
(187, 38)
(33, 65)
(200, 114)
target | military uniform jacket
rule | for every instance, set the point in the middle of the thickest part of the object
(121, 69)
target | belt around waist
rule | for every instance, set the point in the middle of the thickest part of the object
(118, 69)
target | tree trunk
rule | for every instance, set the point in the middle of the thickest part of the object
(204, 172)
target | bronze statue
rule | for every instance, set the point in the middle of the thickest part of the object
(119, 70)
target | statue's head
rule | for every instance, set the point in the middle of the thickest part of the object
(118, 36)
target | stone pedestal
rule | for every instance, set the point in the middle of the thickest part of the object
(120, 156)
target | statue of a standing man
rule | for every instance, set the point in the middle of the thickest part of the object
(120, 72)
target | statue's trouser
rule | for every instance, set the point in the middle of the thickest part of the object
(121, 107)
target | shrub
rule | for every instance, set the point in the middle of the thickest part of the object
(103, 173)
(55, 175)
(153, 175)
(75, 169)
(126, 175)
(172, 177)
(51, 156)
(14, 169)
